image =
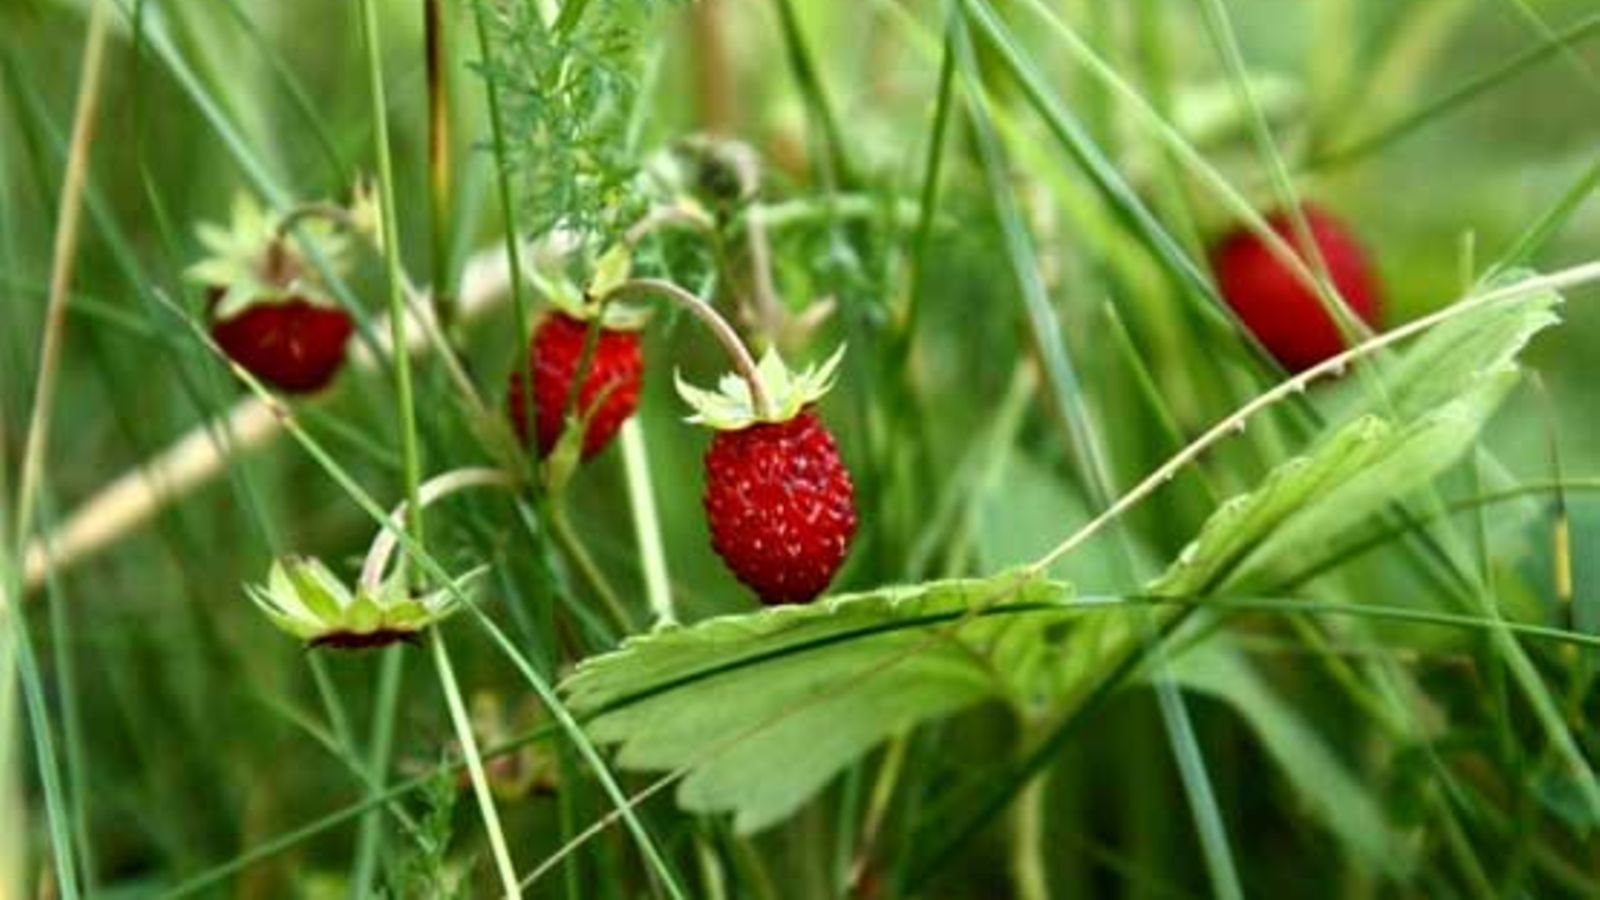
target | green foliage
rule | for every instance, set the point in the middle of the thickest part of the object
(760, 710)
(1333, 793)
(1383, 733)
(424, 868)
(1429, 406)
(727, 702)
(568, 89)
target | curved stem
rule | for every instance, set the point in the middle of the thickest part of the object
(331, 212)
(743, 363)
(436, 488)
(663, 216)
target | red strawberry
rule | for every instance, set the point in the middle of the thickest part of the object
(610, 391)
(270, 309)
(292, 344)
(1284, 314)
(781, 507)
(779, 501)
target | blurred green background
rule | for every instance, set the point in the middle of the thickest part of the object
(189, 732)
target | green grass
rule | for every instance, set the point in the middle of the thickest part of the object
(1007, 204)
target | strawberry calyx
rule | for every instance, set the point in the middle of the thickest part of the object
(304, 598)
(591, 302)
(788, 393)
(255, 260)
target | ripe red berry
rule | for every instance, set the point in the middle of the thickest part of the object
(781, 506)
(610, 391)
(1284, 314)
(291, 344)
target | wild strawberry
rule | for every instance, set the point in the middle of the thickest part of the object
(779, 500)
(610, 391)
(295, 345)
(269, 309)
(1286, 315)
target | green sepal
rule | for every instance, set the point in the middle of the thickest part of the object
(252, 264)
(730, 407)
(611, 270)
(304, 598)
(318, 589)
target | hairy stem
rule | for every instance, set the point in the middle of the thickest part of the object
(743, 363)
(436, 488)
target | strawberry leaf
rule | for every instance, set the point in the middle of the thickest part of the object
(1434, 400)
(762, 709)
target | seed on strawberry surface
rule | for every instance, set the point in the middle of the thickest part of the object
(1286, 315)
(781, 506)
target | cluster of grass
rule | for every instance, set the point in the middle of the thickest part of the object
(1006, 205)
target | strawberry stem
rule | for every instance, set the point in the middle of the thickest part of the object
(743, 362)
(329, 212)
(663, 216)
(436, 488)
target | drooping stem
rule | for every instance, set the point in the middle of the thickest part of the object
(330, 212)
(743, 363)
(662, 216)
(474, 760)
(434, 489)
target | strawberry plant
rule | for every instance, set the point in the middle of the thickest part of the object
(802, 449)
